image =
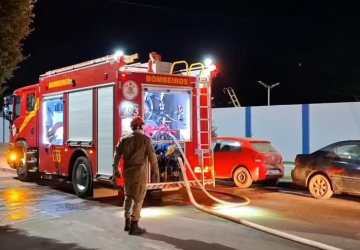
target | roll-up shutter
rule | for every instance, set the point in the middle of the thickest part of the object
(105, 130)
(81, 116)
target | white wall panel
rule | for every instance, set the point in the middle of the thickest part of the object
(331, 122)
(282, 125)
(229, 121)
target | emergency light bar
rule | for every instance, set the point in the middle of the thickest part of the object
(61, 83)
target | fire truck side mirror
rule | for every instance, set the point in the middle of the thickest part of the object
(7, 107)
(8, 115)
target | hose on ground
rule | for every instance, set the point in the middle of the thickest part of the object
(247, 223)
(244, 203)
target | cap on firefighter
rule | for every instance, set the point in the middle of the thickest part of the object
(137, 123)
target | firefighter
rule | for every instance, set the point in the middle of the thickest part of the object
(154, 57)
(137, 152)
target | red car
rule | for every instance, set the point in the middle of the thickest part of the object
(246, 160)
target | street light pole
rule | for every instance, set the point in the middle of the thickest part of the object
(268, 87)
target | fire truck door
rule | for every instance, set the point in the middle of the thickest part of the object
(52, 137)
(105, 130)
(29, 123)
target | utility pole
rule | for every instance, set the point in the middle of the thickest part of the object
(269, 87)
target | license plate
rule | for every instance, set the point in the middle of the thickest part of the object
(273, 171)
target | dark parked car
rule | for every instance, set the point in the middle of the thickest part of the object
(333, 169)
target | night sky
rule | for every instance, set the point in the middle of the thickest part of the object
(312, 49)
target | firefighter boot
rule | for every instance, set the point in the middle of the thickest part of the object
(127, 224)
(135, 229)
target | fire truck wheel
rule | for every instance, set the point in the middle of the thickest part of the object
(82, 177)
(155, 194)
(23, 174)
(242, 178)
(21, 171)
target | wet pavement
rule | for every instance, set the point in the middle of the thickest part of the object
(36, 216)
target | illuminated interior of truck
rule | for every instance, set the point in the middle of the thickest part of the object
(167, 115)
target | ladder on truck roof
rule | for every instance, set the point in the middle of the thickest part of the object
(203, 115)
(91, 63)
(204, 118)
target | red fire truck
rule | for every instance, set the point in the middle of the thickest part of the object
(66, 125)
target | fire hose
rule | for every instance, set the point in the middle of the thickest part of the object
(247, 223)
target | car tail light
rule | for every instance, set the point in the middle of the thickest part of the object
(258, 158)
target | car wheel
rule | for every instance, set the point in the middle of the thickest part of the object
(319, 187)
(82, 177)
(242, 178)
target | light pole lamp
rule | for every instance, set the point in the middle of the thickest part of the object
(268, 87)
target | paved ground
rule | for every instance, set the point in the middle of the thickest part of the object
(335, 221)
(42, 217)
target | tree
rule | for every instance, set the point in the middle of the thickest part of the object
(16, 17)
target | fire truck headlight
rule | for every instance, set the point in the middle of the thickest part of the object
(12, 156)
(118, 54)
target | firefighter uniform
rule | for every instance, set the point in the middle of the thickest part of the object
(137, 151)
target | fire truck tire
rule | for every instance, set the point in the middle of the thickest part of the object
(155, 195)
(22, 171)
(242, 178)
(23, 174)
(82, 177)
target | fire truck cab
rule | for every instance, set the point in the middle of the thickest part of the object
(67, 125)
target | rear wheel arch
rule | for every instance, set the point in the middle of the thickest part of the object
(21, 140)
(22, 170)
(76, 154)
(240, 166)
(320, 186)
(312, 174)
(247, 179)
(236, 167)
(82, 178)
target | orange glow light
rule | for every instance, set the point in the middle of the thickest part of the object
(12, 157)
